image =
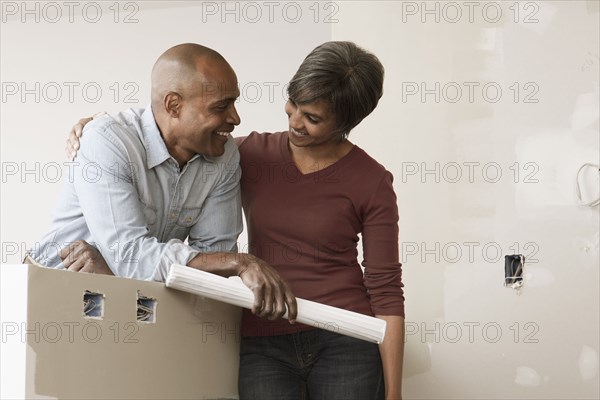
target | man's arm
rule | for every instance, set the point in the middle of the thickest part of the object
(215, 235)
(104, 183)
(114, 215)
(272, 295)
(220, 221)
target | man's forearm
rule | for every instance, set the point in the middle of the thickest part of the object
(272, 295)
(223, 264)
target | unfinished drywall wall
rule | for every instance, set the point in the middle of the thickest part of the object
(468, 336)
(489, 110)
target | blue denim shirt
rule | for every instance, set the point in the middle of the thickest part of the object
(126, 195)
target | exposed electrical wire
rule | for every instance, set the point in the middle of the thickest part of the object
(592, 203)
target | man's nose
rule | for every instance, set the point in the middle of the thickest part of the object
(233, 117)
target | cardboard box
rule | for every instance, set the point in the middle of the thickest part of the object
(187, 348)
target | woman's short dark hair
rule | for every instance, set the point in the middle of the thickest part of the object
(343, 74)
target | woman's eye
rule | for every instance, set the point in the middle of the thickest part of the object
(311, 119)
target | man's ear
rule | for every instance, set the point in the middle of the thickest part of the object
(173, 103)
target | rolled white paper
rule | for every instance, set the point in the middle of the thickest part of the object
(309, 312)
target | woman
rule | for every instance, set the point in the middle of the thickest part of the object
(308, 193)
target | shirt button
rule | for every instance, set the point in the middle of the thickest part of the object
(188, 220)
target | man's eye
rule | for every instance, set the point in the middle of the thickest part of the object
(311, 119)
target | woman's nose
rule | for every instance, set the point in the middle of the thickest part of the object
(295, 120)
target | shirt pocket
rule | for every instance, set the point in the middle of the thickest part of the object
(188, 217)
(150, 213)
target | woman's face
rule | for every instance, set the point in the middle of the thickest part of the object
(311, 124)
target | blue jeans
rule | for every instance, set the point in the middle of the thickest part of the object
(314, 364)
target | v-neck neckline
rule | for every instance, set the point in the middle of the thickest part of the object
(289, 160)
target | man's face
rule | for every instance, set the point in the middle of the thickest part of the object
(208, 113)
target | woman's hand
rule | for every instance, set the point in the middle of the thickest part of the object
(75, 134)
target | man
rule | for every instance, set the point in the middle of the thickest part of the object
(145, 180)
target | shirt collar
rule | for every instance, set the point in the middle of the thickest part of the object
(156, 149)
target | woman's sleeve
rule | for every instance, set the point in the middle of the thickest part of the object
(239, 140)
(383, 271)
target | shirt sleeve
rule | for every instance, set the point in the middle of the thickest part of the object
(105, 187)
(220, 221)
(383, 271)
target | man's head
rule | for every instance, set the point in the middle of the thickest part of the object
(193, 95)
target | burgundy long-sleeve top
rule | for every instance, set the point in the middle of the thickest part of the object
(307, 227)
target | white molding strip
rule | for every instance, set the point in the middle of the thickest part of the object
(309, 312)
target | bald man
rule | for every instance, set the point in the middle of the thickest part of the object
(145, 180)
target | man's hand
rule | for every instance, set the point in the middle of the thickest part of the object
(81, 256)
(272, 295)
(74, 135)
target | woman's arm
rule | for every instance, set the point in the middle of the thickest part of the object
(74, 135)
(392, 355)
(239, 140)
(77, 130)
(383, 279)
